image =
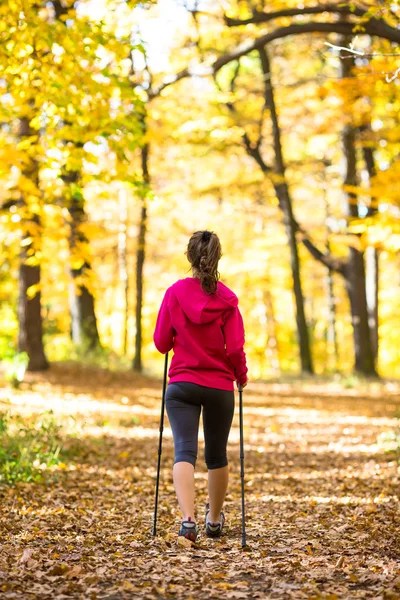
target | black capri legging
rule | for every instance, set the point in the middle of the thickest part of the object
(183, 402)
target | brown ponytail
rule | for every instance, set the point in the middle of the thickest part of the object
(203, 253)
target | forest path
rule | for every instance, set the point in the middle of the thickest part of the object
(321, 498)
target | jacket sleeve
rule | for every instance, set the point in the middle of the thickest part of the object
(164, 333)
(234, 341)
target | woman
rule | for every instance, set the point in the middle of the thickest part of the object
(199, 318)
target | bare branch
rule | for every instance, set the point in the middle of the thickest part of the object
(377, 28)
(169, 80)
(203, 13)
(234, 77)
(253, 150)
(348, 49)
(333, 263)
(265, 17)
(393, 76)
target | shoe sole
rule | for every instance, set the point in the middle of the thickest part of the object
(213, 535)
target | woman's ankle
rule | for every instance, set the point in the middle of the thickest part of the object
(189, 518)
(211, 520)
(214, 517)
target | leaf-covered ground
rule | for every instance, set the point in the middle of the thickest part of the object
(321, 497)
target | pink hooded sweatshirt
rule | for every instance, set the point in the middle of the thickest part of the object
(206, 332)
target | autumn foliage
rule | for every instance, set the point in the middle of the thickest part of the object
(275, 125)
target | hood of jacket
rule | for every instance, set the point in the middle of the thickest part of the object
(200, 307)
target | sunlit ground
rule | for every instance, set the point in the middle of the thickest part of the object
(321, 495)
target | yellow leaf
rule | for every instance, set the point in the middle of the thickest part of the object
(340, 563)
(32, 261)
(128, 585)
(348, 240)
(184, 542)
(77, 263)
(33, 290)
(26, 241)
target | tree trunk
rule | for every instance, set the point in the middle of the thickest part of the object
(140, 258)
(332, 334)
(123, 264)
(285, 203)
(301, 323)
(355, 285)
(332, 341)
(354, 271)
(30, 336)
(83, 317)
(372, 262)
(372, 290)
(83, 320)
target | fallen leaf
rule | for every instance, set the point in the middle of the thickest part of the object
(340, 563)
(184, 542)
(26, 555)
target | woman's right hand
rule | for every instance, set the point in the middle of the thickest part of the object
(241, 386)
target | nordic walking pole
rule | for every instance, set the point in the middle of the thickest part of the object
(242, 463)
(160, 443)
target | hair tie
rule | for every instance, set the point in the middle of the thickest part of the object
(206, 236)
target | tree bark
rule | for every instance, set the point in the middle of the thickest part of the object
(83, 317)
(82, 306)
(332, 334)
(140, 258)
(332, 341)
(354, 271)
(355, 285)
(30, 335)
(372, 260)
(372, 290)
(123, 264)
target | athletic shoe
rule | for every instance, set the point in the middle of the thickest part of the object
(189, 530)
(214, 529)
